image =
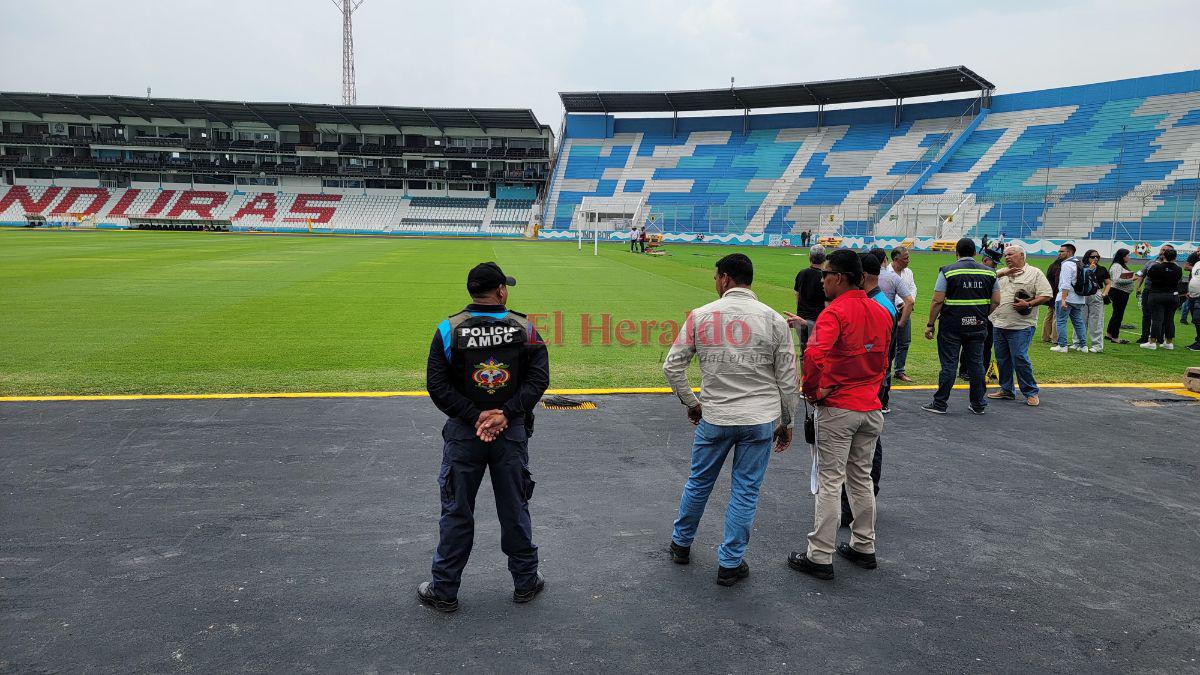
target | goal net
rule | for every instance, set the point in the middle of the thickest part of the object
(608, 214)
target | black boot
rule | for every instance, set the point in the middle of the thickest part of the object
(680, 555)
(728, 576)
(525, 596)
(864, 560)
(801, 563)
(428, 596)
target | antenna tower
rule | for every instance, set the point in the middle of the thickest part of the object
(347, 8)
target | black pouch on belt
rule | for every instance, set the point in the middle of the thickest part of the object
(810, 426)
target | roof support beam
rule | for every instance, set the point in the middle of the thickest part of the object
(674, 114)
(73, 110)
(813, 95)
(5, 98)
(132, 113)
(302, 116)
(477, 122)
(97, 110)
(166, 113)
(432, 120)
(250, 109)
(212, 115)
(886, 88)
(338, 110)
(391, 120)
(899, 105)
(967, 74)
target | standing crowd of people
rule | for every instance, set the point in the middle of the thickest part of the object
(488, 368)
(1084, 287)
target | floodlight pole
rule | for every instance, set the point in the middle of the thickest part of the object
(349, 91)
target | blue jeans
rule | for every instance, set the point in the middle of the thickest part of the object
(1012, 353)
(951, 344)
(903, 339)
(751, 445)
(1075, 313)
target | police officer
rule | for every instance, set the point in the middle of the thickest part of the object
(487, 370)
(964, 296)
(990, 257)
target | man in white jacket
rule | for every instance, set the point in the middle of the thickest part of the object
(747, 395)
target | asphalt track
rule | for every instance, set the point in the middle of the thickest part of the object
(288, 535)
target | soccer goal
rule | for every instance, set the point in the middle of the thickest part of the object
(596, 215)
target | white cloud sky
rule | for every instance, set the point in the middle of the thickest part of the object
(520, 54)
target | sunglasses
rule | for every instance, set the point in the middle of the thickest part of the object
(827, 273)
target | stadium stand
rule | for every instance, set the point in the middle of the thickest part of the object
(269, 165)
(132, 207)
(1114, 159)
(441, 210)
(512, 212)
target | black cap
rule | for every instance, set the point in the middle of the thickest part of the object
(487, 276)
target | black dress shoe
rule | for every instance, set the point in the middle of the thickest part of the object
(680, 555)
(428, 596)
(801, 563)
(728, 576)
(525, 596)
(864, 560)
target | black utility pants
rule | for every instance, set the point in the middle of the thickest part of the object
(464, 459)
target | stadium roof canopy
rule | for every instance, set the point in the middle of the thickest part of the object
(950, 80)
(273, 114)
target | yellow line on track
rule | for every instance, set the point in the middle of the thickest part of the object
(1174, 387)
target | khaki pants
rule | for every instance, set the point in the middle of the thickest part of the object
(845, 446)
(1049, 329)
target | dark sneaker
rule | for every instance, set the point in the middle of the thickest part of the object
(801, 563)
(885, 410)
(930, 407)
(728, 576)
(977, 411)
(428, 596)
(1194, 347)
(864, 560)
(680, 555)
(526, 596)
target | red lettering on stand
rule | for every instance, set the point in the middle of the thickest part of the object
(199, 202)
(260, 205)
(20, 193)
(99, 197)
(305, 206)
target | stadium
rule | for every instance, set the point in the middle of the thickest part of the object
(220, 453)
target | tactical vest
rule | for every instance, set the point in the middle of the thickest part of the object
(485, 356)
(969, 287)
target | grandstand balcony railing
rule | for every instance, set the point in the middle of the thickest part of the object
(1142, 214)
(270, 168)
(271, 147)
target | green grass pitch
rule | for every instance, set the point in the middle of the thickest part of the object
(179, 312)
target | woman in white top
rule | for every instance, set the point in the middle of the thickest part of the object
(1122, 287)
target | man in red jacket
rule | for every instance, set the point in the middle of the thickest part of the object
(844, 364)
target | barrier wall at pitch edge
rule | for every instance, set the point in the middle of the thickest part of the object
(1032, 246)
